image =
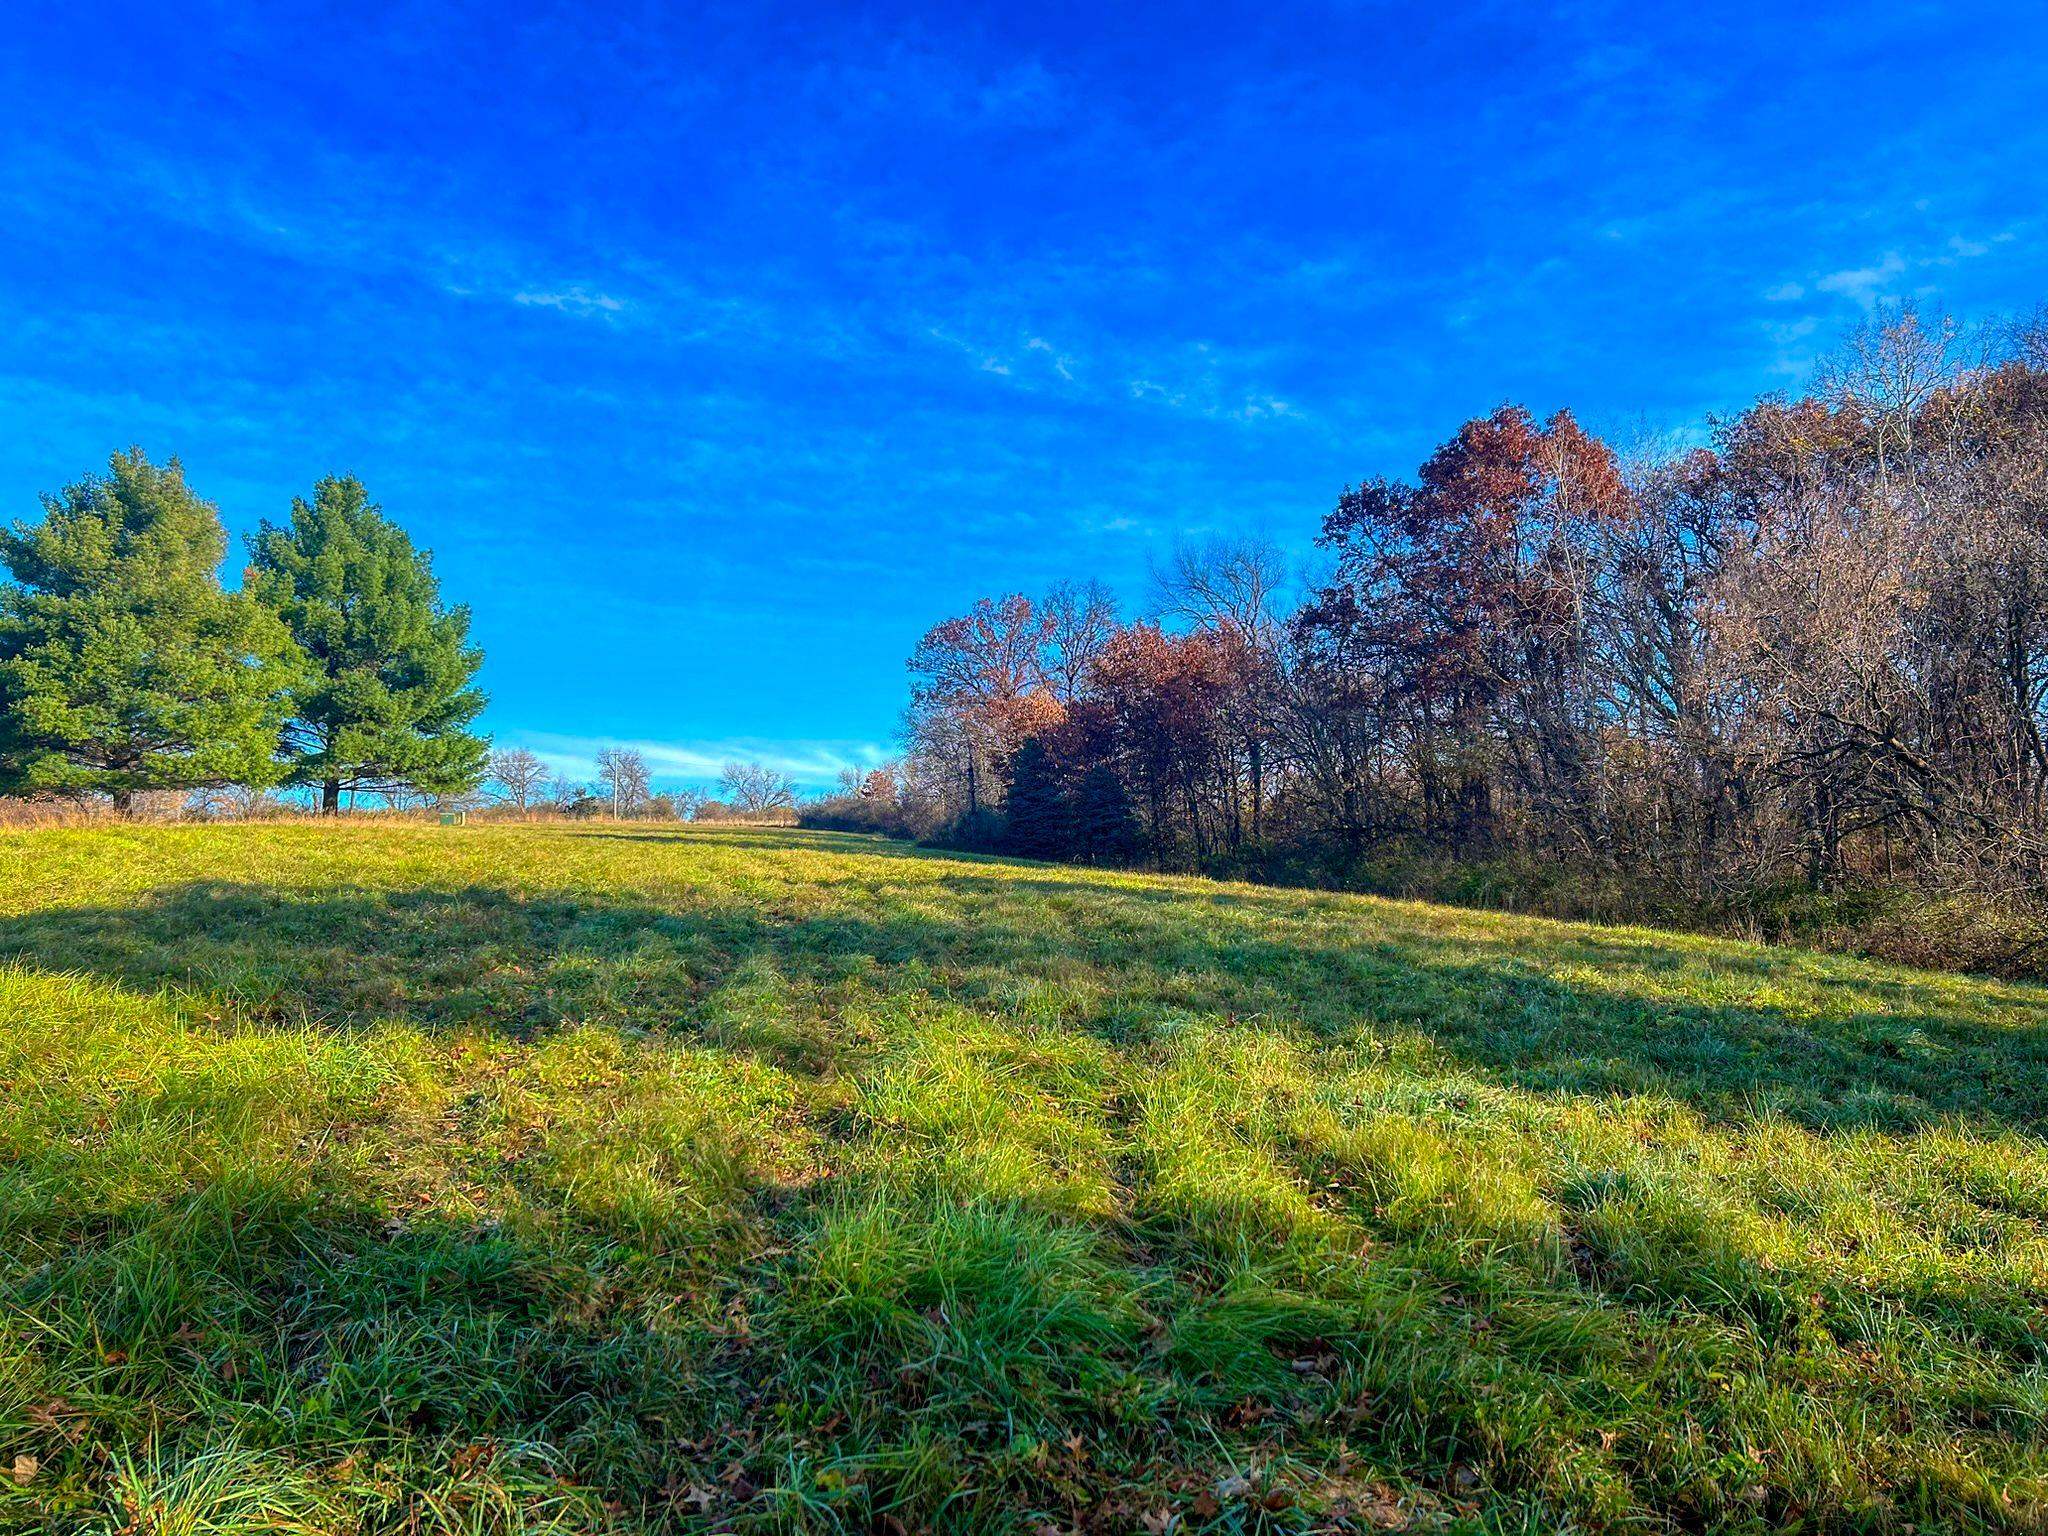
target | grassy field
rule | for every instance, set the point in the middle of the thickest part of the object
(512, 1179)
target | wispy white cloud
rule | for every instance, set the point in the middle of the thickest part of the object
(983, 359)
(1061, 363)
(575, 299)
(1898, 274)
(1864, 285)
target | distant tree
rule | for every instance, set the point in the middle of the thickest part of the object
(1104, 829)
(207, 802)
(123, 665)
(752, 788)
(571, 797)
(1812, 651)
(520, 773)
(1037, 818)
(389, 696)
(622, 776)
(247, 801)
(230, 802)
(869, 784)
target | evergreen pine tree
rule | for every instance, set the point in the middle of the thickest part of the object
(387, 696)
(1036, 809)
(123, 664)
(1105, 830)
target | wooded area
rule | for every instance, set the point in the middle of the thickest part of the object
(1811, 655)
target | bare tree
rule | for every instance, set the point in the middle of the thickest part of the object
(2029, 340)
(1233, 589)
(1238, 584)
(623, 777)
(752, 789)
(520, 774)
(230, 802)
(1887, 371)
(1080, 620)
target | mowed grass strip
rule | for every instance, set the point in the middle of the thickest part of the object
(400, 1178)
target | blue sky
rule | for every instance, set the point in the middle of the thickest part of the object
(717, 352)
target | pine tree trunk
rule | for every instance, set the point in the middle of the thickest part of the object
(330, 798)
(124, 803)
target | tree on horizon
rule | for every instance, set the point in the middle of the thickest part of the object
(389, 694)
(124, 665)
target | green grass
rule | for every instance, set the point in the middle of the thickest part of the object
(502, 1178)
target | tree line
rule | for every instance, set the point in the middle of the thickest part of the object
(523, 783)
(126, 668)
(1809, 653)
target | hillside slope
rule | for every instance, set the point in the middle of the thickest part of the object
(501, 1178)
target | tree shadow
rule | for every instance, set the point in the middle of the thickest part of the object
(1548, 1008)
(406, 1362)
(421, 1336)
(475, 955)
(772, 840)
(1729, 1028)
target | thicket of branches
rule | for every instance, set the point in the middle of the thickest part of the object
(1812, 655)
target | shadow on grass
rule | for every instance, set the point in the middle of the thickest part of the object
(769, 840)
(898, 1337)
(873, 1357)
(1726, 1028)
(1566, 1011)
(873, 1351)
(410, 1375)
